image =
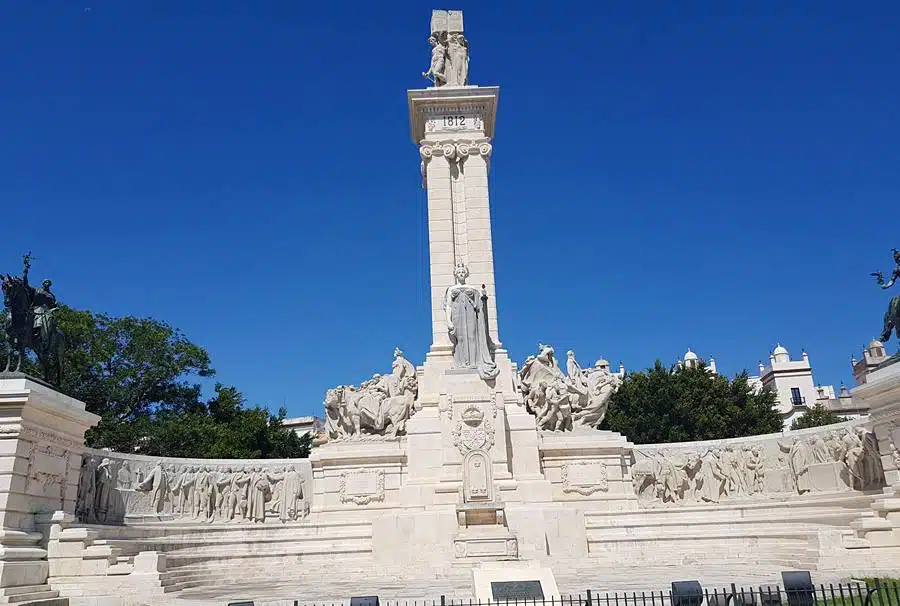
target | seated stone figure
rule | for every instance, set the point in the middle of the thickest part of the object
(379, 406)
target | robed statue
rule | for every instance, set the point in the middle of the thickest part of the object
(892, 315)
(465, 308)
(31, 323)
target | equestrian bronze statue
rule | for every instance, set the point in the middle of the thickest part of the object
(31, 324)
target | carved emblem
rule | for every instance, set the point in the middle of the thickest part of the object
(362, 487)
(474, 430)
(584, 478)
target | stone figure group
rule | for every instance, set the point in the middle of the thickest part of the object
(560, 401)
(207, 493)
(449, 59)
(847, 458)
(97, 501)
(380, 406)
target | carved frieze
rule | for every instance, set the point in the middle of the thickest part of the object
(833, 459)
(112, 486)
(362, 487)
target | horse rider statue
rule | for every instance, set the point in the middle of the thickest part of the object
(892, 315)
(32, 324)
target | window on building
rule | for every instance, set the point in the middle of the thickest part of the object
(796, 398)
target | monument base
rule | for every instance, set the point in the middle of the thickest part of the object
(521, 581)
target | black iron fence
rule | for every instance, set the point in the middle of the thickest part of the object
(869, 592)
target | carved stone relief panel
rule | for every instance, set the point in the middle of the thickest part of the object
(477, 477)
(113, 486)
(585, 478)
(833, 458)
(362, 487)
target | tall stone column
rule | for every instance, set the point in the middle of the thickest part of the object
(41, 441)
(454, 127)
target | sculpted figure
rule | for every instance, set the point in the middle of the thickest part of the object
(290, 492)
(156, 483)
(87, 482)
(892, 315)
(872, 473)
(692, 473)
(380, 406)
(643, 477)
(437, 70)
(464, 307)
(31, 323)
(123, 476)
(601, 385)
(203, 501)
(260, 491)
(799, 459)
(458, 54)
(753, 464)
(544, 387)
(819, 450)
(104, 486)
(712, 477)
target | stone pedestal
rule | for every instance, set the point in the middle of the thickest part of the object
(881, 392)
(590, 466)
(41, 440)
(357, 478)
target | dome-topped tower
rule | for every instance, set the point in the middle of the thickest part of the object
(780, 354)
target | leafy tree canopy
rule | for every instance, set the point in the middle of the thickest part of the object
(140, 375)
(816, 416)
(677, 405)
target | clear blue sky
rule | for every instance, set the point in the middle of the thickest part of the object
(718, 175)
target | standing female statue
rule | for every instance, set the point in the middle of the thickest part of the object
(464, 306)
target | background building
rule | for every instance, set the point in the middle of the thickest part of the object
(873, 355)
(308, 424)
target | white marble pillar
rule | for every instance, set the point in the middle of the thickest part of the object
(453, 128)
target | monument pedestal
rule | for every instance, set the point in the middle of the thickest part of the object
(41, 440)
(881, 392)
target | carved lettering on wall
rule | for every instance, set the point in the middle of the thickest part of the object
(457, 121)
(585, 478)
(362, 487)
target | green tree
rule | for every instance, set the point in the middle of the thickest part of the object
(677, 405)
(816, 416)
(127, 370)
(142, 377)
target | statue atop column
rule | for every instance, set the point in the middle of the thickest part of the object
(464, 306)
(30, 323)
(892, 315)
(449, 50)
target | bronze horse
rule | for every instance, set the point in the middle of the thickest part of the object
(48, 341)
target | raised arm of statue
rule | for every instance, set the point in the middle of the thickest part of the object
(26, 265)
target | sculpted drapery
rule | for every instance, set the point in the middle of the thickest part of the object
(467, 325)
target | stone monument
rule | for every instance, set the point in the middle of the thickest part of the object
(467, 476)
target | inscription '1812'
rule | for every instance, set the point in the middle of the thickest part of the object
(461, 121)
